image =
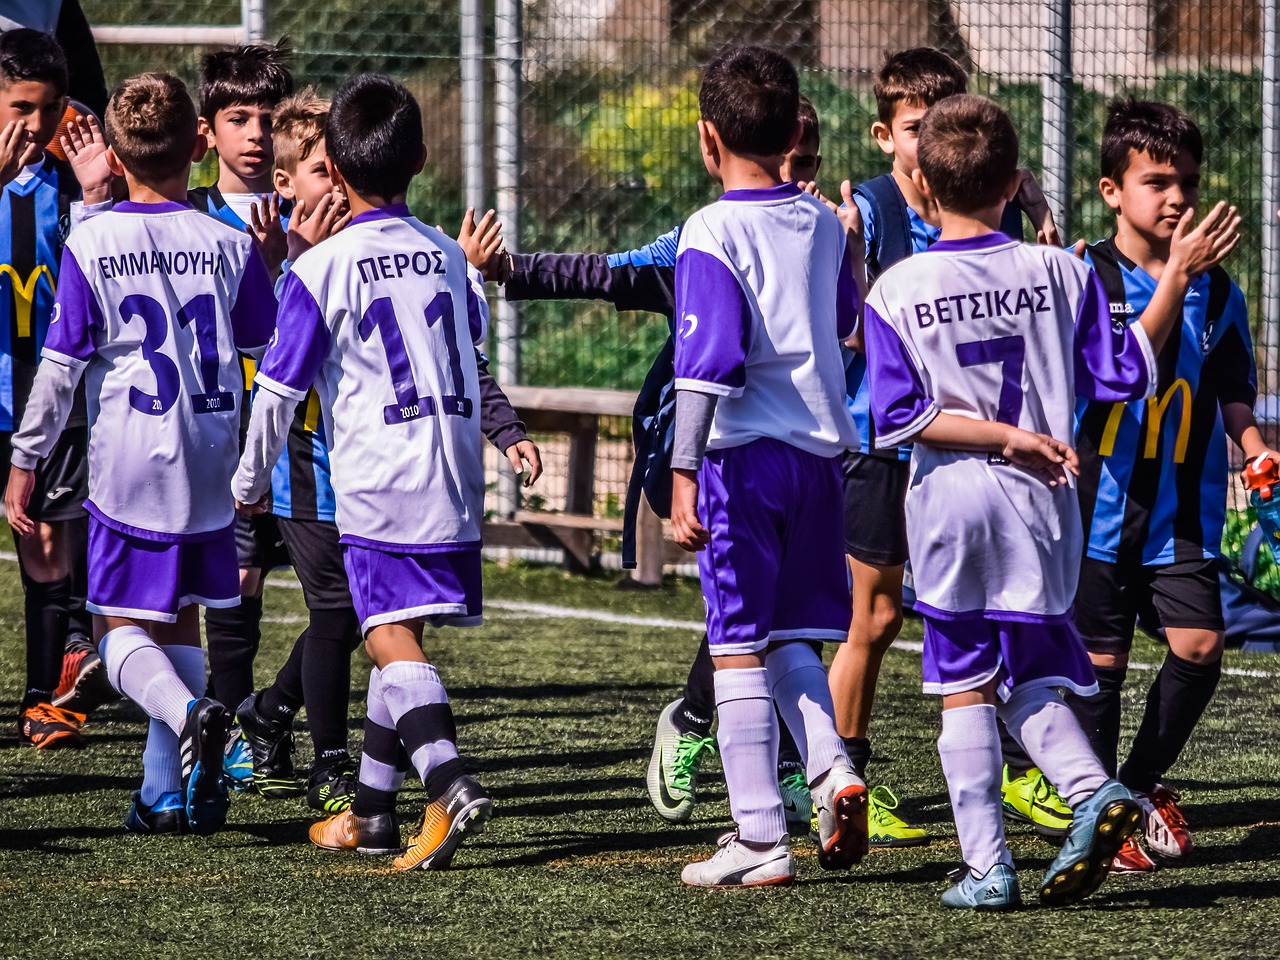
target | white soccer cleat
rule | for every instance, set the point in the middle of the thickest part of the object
(841, 802)
(737, 865)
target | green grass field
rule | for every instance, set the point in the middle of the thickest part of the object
(556, 716)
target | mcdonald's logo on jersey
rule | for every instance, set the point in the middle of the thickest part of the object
(1157, 407)
(24, 293)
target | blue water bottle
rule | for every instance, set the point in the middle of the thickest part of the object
(1262, 479)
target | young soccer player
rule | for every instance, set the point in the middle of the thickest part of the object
(37, 194)
(977, 351)
(1154, 474)
(318, 670)
(766, 287)
(382, 319)
(154, 300)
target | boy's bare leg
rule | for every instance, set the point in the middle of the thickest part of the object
(877, 619)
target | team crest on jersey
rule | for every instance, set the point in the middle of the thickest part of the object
(691, 319)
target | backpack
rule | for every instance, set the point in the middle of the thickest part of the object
(653, 432)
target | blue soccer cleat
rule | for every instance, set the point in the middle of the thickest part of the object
(237, 762)
(997, 890)
(202, 742)
(167, 815)
(1101, 826)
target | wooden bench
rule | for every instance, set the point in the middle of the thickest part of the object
(576, 412)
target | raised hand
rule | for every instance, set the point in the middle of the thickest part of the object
(1034, 204)
(480, 241)
(86, 148)
(307, 227)
(265, 227)
(1206, 246)
(16, 150)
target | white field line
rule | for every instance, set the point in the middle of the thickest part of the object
(550, 611)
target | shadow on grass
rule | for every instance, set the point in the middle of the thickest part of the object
(40, 784)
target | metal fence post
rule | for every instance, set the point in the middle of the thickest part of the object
(472, 68)
(508, 67)
(1056, 122)
(1269, 329)
(253, 17)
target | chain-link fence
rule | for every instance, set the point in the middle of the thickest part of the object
(595, 144)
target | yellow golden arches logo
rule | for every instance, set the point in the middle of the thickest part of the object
(24, 293)
(1155, 417)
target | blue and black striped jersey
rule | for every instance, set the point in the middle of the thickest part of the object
(34, 218)
(1153, 473)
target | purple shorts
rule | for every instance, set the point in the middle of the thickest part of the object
(775, 568)
(962, 655)
(441, 588)
(153, 580)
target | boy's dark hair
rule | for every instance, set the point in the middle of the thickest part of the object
(968, 151)
(752, 96)
(32, 55)
(1156, 129)
(920, 76)
(297, 126)
(374, 136)
(807, 116)
(151, 125)
(253, 74)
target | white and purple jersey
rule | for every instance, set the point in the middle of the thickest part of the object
(764, 295)
(153, 302)
(992, 329)
(382, 319)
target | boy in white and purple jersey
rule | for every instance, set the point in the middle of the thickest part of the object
(153, 302)
(978, 350)
(765, 291)
(382, 319)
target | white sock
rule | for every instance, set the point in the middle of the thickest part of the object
(1050, 733)
(139, 669)
(970, 750)
(427, 735)
(803, 694)
(748, 741)
(161, 759)
(377, 773)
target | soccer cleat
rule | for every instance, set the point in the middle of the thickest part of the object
(997, 890)
(237, 761)
(1167, 831)
(202, 742)
(886, 828)
(462, 809)
(673, 768)
(166, 815)
(379, 834)
(735, 864)
(84, 685)
(841, 801)
(797, 803)
(330, 789)
(1033, 799)
(46, 727)
(270, 743)
(1102, 824)
(1133, 859)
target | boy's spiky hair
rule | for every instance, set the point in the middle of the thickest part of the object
(254, 74)
(32, 55)
(920, 76)
(1156, 129)
(298, 124)
(752, 97)
(151, 125)
(968, 152)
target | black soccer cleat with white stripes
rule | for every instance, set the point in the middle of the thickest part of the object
(204, 792)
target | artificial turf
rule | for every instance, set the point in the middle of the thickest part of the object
(556, 716)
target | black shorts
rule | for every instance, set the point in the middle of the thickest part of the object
(875, 516)
(62, 478)
(259, 544)
(317, 558)
(1111, 597)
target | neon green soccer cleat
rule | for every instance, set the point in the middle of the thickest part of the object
(1034, 800)
(797, 803)
(887, 829)
(673, 769)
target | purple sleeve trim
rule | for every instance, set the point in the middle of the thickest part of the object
(1110, 366)
(713, 327)
(477, 307)
(253, 317)
(300, 344)
(848, 300)
(76, 314)
(899, 402)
